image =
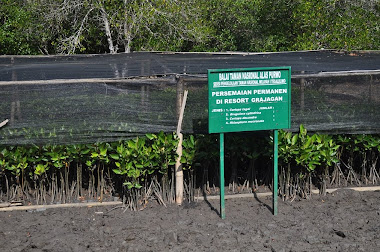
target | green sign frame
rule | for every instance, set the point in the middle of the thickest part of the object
(249, 99)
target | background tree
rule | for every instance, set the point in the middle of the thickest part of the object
(16, 34)
(157, 24)
(340, 24)
(99, 26)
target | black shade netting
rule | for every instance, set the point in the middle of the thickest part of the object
(43, 107)
(24, 68)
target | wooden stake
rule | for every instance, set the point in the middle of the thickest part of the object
(3, 123)
(179, 173)
(178, 165)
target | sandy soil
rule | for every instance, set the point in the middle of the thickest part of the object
(342, 221)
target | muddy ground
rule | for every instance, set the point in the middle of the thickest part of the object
(342, 221)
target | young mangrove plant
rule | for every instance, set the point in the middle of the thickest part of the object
(142, 169)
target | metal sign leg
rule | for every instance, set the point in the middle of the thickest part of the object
(275, 170)
(222, 207)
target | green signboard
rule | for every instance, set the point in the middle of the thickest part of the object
(249, 99)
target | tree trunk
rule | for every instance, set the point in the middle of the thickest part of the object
(107, 30)
(128, 46)
(127, 31)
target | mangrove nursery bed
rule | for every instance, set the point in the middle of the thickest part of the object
(345, 220)
(141, 170)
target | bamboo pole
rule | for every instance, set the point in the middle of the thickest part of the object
(3, 123)
(179, 173)
(4, 207)
(178, 165)
(268, 194)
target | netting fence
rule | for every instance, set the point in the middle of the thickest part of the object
(104, 98)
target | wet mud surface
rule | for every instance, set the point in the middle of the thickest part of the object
(341, 221)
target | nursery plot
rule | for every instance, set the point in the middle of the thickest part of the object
(81, 127)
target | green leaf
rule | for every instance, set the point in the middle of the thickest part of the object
(40, 169)
(131, 144)
(192, 140)
(103, 152)
(151, 136)
(114, 156)
(117, 171)
(303, 131)
(172, 162)
(294, 139)
(85, 151)
(128, 184)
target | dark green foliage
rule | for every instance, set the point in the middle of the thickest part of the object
(350, 25)
(16, 33)
(132, 159)
(303, 158)
(50, 27)
(308, 151)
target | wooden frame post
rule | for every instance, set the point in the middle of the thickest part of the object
(178, 165)
(3, 123)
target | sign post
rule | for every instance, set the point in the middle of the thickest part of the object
(249, 99)
(222, 206)
(275, 171)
